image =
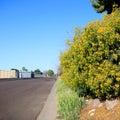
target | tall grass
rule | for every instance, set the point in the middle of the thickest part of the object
(68, 102)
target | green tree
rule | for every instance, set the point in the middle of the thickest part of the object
(24, 69)
(105, 5)
(50, 72)
(15, 69)
(37, 71)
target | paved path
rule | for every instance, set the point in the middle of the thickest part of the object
(49, 112)
(23, 99)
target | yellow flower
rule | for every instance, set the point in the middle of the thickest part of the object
(112, 72)
(115, 56)
(118, 79)
(100, 30)
(116, 86)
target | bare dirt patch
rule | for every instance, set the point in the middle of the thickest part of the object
(90, 112)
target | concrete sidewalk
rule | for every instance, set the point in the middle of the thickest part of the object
(49, 111)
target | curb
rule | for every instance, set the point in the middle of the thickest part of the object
(49, 111)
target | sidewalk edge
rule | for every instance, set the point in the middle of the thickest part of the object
(49, 111)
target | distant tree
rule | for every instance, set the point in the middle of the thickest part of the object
(15, 69)
(59, 70)
(37, 71)
(105, 5)
(24, 69)
(50, 73)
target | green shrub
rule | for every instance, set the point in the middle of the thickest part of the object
(69, 104)
(91, 64)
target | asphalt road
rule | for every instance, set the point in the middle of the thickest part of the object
(23, 99)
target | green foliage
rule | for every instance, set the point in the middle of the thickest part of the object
(91, 64)
(15, 69)
(69, 104)
(105, 5)
(61, 86)
(24, 69)
(37, 71)
(50, 72)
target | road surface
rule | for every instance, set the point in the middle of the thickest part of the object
(23, 99)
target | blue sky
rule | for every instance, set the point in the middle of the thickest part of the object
(33, 32)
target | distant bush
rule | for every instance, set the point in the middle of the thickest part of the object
(69, 104)
(91, 64)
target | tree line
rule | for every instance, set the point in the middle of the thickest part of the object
(49, 72)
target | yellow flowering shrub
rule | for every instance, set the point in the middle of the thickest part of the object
(91, 64)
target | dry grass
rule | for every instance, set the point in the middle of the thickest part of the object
(101, 113)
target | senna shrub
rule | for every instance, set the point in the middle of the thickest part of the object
(91, 64)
